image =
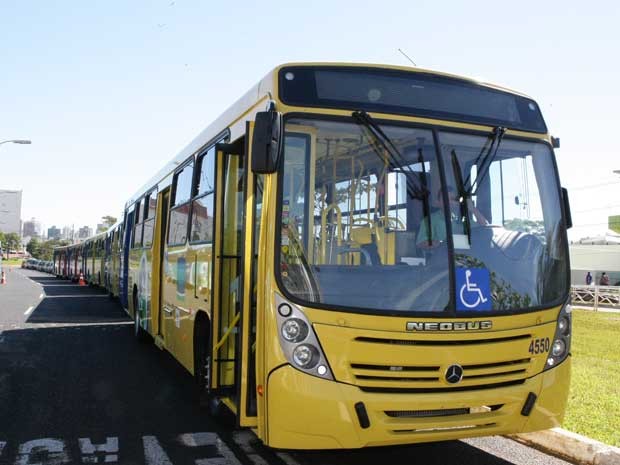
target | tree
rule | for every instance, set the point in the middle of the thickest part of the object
(34, 247)
(44, 250)
(535, 227)
(108, 220)
(11, 241)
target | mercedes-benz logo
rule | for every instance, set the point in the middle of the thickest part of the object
(454, 374)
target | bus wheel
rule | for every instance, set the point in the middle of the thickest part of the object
(138, 331)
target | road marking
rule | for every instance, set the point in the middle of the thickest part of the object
(53, 448)
(54, 451)
(63, 285)
(81, 296)
(154, 454)
(244, 440)
(27, 312)
(209, 439)
(89, 450)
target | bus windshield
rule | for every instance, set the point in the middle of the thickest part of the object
(370, 218)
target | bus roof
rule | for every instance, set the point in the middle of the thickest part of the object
(266, 89)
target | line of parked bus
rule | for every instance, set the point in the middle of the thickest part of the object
(345, 258)
(96, 260)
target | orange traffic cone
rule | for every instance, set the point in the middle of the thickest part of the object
(81, 282)
(3, 278)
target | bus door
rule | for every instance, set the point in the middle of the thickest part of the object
(227, 374)
(124, 281)
(158, 262)
(233, 321)
(228, 267)
(246, 368)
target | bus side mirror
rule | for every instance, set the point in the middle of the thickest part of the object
(266, 142)
(569, 217)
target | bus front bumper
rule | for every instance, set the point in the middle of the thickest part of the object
(305, 412)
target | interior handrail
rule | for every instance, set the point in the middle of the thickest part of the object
(228, 331)
(324, 213)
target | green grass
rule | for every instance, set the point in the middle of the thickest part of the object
(12, 261)
(594, 399)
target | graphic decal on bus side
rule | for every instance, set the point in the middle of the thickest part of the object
(473, 289)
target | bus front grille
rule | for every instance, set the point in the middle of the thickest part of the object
(430, 390)
(474, 427)
(389, 361)
(442, 342)
(446, 412)
(419, 376)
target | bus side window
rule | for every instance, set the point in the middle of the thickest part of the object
(202, 205)
(150, 207)
(179, 211)
(137, 230)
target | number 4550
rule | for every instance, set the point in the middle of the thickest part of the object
(538, 346)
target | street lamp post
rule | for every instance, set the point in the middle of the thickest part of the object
(16, 141)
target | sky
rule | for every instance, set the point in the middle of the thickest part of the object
(109, 91)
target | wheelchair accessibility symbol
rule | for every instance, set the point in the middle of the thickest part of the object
(473, 289)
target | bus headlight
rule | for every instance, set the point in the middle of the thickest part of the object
(299, 342)
(294, 330)
(560, 349)
(306, 356)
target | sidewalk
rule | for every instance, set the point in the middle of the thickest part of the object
(571, 446)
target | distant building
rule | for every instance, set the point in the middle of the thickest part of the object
(101, 228)
(10, 211)
(85, 232)
(53, 233)
(595, 258)
(32, 228)
(67, 233)
(597, 254)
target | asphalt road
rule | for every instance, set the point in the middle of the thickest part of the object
(76, 388)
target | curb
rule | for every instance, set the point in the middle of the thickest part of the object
(575, 447)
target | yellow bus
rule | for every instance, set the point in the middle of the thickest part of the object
(112, 258)
(359, 255)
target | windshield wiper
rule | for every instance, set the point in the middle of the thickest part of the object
(487, 154)
(415, 187)
(463, 196)
(496, 139)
